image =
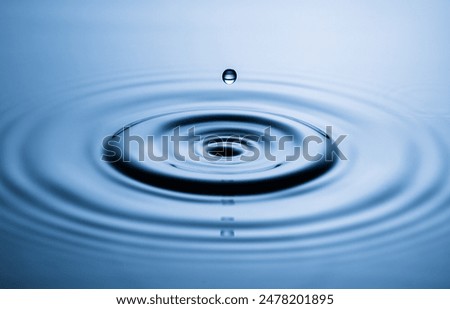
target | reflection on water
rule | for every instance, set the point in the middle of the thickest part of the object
(68, 218)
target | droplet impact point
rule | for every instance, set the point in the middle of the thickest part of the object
(229, 76)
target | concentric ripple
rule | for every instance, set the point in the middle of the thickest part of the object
(225, 153)
(61, 194)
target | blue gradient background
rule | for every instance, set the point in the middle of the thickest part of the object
(398, 49)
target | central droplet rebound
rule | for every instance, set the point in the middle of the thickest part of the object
(229, 76)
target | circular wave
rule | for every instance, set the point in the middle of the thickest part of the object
(225, 151)
(60, 191)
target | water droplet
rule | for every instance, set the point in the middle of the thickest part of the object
(229, 76)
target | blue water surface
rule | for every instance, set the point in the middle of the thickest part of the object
(75, 72)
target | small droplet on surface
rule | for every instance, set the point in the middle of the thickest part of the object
(229, 76)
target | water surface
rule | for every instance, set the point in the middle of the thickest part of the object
(77, 72)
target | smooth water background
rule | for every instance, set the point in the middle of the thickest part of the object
(73, 72)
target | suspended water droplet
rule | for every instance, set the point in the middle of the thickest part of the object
(229, 76)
